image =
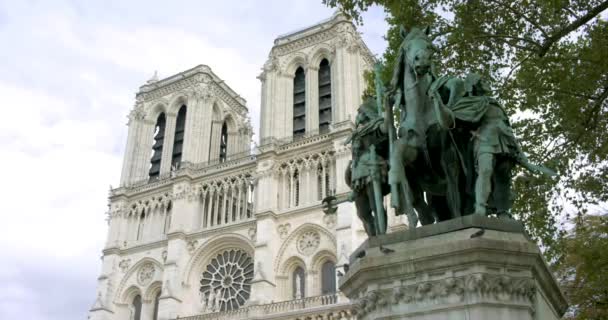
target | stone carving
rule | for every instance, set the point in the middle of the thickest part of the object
(158, 201)
(146, 273)
(252, 233)
(164, 255)
(330, 221)
(452, 290)
(308, 242)
(124, 265)
(283, 230)
(259, 272)
(191, 246)
(298, 281)
(226, 281)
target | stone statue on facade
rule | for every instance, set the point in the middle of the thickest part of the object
(298, 287)
(211, 301)
(218, 301)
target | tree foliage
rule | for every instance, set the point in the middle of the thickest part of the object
(548, 63)
(582, 269)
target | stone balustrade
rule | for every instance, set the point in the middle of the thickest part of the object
(324, 307)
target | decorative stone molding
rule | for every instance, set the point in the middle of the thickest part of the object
(146, 273)
(145, 205)
(191, 246)
(283, 230)
(124, 265)
(252, 232)
(226, 281)
(472, 287)
(189, 81)
(308, 242)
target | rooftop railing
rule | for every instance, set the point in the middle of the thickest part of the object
(263, 310)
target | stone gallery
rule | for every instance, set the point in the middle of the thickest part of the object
(342, 211)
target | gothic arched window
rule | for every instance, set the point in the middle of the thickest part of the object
(156, 302)
(298, 283)
(157, 147)
(328, 278)
(299, 103)
(135, 308)
(224, 142)
(324, 96)
(178, 140)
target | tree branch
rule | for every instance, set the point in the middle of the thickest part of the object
(519, 13)
(556, 36)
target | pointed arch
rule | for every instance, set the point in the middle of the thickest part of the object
(325, 96)
(157, 146)
(129, 281)
(299, 102)
(280, 258)
(210, 248)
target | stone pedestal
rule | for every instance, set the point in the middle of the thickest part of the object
(468, 268)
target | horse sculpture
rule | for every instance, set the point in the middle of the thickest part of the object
(425, 158)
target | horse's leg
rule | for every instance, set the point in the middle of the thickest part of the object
(425, 212)
(365, 213)
(396, 173)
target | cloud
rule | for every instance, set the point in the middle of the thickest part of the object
(69, 72)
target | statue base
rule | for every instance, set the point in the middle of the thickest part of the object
(472, 267)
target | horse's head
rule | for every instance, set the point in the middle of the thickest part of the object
(418, 49)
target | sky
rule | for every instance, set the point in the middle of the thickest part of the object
(69, 71)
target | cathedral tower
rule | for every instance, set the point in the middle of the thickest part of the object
(203, 227)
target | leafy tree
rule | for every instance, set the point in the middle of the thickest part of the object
(582, 269)
(548, 62)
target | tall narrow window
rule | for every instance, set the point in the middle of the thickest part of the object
(135, 308)
(140, 225)
(299, 103)
(178, 141)
(157, 148)
(328, 278)
(324, 96)
(296, 186)
(298, 282)
(224, 143)
(156, 302)
(167, 219)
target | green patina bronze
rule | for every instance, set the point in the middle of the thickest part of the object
(450, 154)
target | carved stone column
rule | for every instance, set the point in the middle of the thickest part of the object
(214, 146)
(312, 98)
(165, 163)
(471, 267)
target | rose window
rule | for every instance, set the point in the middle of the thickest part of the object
(227, 280)
(309, 242)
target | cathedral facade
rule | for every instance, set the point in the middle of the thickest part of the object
(203, 226)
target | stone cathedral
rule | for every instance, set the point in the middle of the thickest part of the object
(203, 226)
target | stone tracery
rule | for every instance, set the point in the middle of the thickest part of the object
(226, 281)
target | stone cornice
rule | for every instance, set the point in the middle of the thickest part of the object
(190, 79)
(136, 248)
(325, 30)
